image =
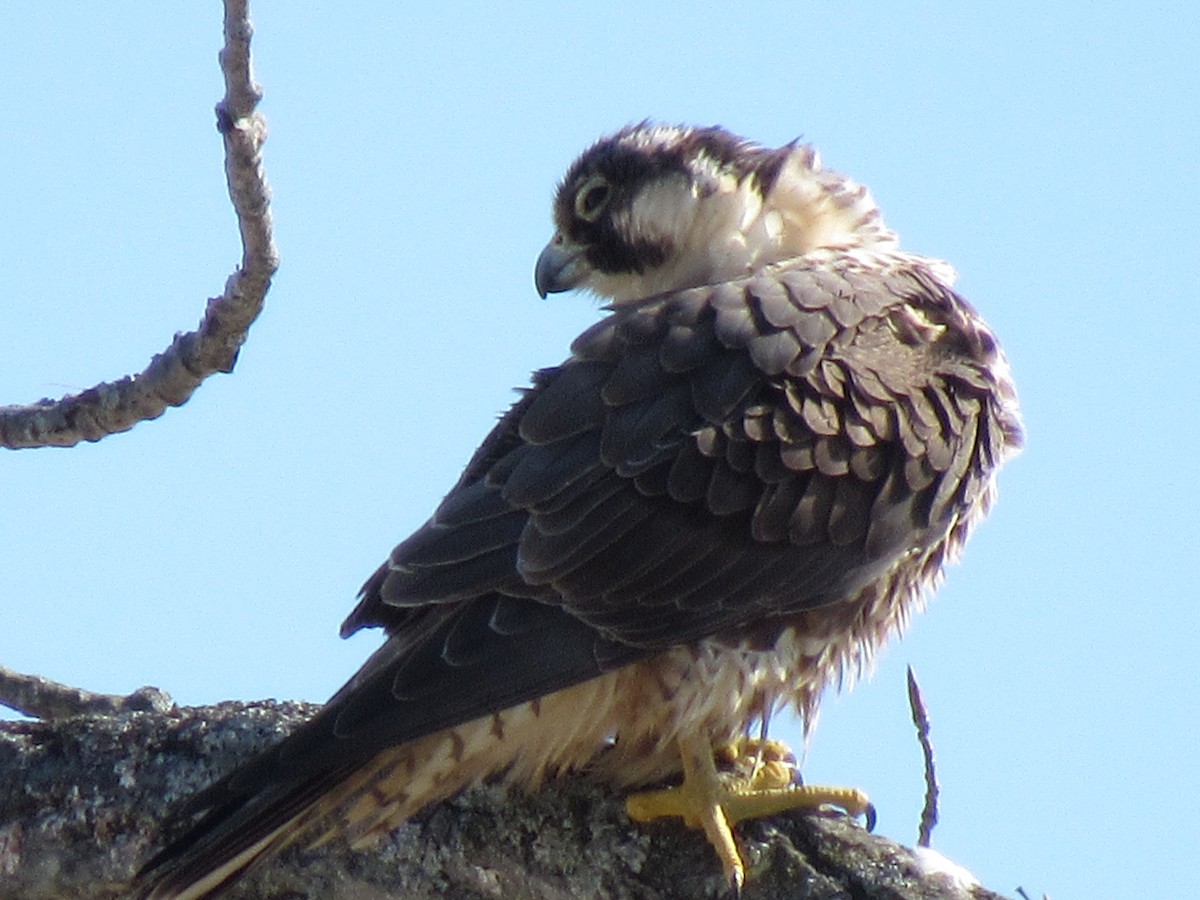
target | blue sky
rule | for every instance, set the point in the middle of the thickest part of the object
(1047, 150)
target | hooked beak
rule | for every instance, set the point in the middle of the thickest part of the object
(560, 267)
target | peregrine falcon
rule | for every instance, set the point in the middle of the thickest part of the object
(745, 476)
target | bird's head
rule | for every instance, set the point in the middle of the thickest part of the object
(658, 208)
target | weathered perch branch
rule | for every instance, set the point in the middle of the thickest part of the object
(82, 802)
(173, 375)
(42, 698)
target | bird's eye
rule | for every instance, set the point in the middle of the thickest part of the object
(591, 198)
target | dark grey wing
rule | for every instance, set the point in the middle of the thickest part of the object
(707, 463)
(756, 448)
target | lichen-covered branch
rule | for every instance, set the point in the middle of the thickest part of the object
(83, 801)
(173, 375)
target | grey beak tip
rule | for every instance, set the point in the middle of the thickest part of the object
(559, 268)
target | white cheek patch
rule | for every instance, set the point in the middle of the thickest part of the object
(714, 230)
(662, 211)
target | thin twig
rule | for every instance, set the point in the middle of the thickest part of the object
(173, 375)
(929, 813)
(42, 698)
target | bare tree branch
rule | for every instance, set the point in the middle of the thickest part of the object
(174, 374)
(43, 698)
(929, 814)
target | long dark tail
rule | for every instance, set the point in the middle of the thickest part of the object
(244, 819)
(412, 727)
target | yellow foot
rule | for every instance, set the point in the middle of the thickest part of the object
(756, 779)
(758, 763)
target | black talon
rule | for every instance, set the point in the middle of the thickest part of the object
(869, 815)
